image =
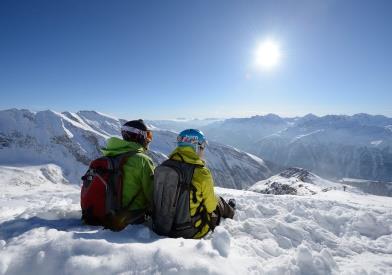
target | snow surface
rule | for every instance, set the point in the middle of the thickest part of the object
(257, 159)
(328, 233)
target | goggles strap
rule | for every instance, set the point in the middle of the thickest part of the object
(134, 130)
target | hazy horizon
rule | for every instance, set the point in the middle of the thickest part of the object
(194, 118)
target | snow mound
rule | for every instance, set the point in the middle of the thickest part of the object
(294, 181)
(221, 241)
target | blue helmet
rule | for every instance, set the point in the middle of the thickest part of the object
(191, 137)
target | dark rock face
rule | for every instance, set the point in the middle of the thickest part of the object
(299, 173)
(4, 141)
(293, 181)
(278, 188)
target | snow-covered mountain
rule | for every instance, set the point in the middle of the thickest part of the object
(333, 146)
(331, 232)
(72, 140)
(177, 125)
(28, 138)
(244, 132)
(295, 181)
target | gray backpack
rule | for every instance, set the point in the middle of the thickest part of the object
(171, 201)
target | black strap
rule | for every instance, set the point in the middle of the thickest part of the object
(194, 190)
(205, 218)
(118, 164)
(120, 159)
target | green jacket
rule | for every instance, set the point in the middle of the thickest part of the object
(202, 180)
(138, 172)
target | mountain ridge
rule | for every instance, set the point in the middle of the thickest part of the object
(72, 140)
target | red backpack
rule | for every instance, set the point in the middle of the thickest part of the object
(102, 188)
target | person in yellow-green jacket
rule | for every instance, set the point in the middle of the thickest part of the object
(191, 145)
(138, 170)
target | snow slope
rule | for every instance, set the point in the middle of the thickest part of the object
(371, 187)
(328, 233)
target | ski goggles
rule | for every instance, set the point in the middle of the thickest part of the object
(146, 134)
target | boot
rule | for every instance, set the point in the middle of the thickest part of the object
(232, 203)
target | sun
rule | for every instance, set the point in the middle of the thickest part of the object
(268, 54)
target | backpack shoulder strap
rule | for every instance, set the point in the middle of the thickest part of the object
(120, 159)
(118, 163)
(133, 198)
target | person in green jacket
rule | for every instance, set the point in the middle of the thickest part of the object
(191, 145)
(138, 171)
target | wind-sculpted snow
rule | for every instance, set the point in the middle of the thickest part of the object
(328, 233)
(72, 140)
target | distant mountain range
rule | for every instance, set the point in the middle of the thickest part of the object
(72, 140)
(333, 146)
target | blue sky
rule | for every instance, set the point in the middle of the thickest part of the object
(168, 59)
